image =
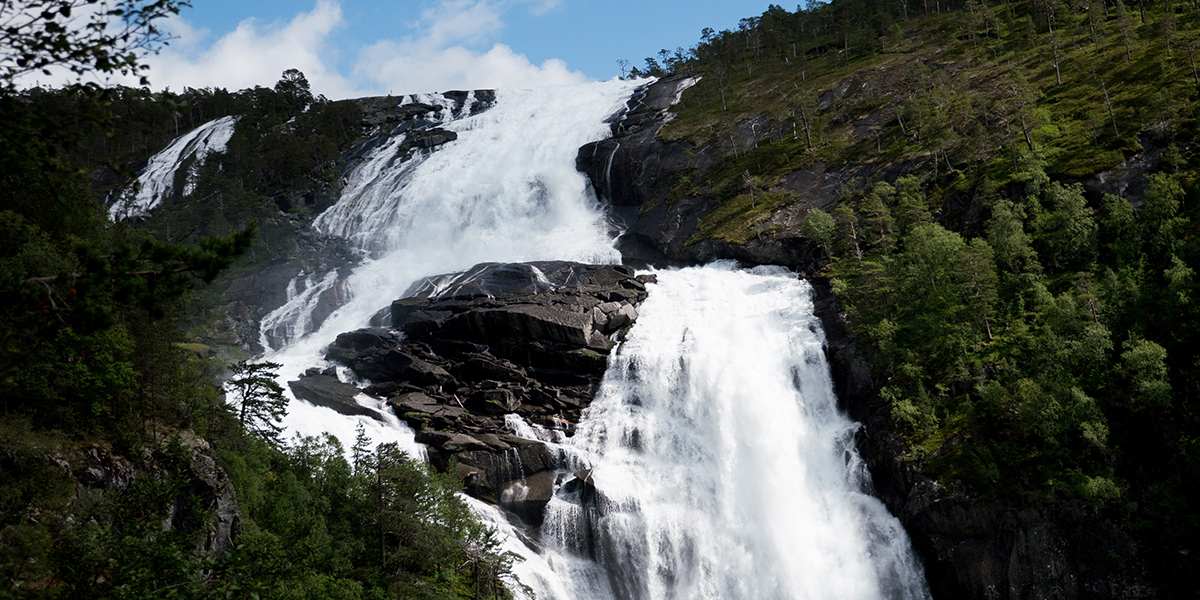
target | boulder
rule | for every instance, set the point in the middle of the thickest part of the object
(419, 408)
(467, 349)
(431, 138)
(451, 442)
(533, 322)
(326, 390)
(376, 354)
(527, 497)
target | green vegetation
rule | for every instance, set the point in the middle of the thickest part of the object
(257, 399)
(117, 449)
(865, 85)
(1034, 339)
(1049, 359)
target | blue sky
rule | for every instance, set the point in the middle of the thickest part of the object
(360, 47)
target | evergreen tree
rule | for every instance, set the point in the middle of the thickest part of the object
(1006, 234)
(1066, 227)
(257, 399)
(912, 208)
(294, 90)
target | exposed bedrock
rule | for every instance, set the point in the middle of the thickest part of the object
(466, 350)
(972, 547)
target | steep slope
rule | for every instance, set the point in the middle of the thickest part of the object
(981, 121)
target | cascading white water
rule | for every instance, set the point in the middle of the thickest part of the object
(722, 466)
(157, 179)
(506, 190)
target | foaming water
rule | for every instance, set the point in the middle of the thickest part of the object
(716, 462)
(721, 464)
(506, 190)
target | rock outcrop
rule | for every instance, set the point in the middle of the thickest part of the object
(637, 173)
(323, 388)
(205, 506)
(467, 351)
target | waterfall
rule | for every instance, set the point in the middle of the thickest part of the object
(719, 464)
(713, 463)
(505, 190)
(157, 180)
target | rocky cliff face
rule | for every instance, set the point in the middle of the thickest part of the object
(972, 547)
(641, 176)
(292, 258)
(471, 357)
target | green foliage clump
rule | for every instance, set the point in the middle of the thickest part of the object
(1049, 359)
(108, 415)
(819, 227)
(257, 399)
(378, 526)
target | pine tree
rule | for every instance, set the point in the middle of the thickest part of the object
(878, 225)
(257, 399)
(360, 452)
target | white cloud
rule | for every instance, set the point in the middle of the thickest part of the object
(414, 66)
(451, 51)
(541, 7)
(460, 21)
(255, 54)
(454, 44)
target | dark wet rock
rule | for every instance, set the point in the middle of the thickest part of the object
(325, 389)
(452, 442)
(431, 138)
(375, 354)
(387, 111)
(466, 349)
(527, 497)
(627, 169)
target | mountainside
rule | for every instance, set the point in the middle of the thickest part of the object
(996, 204)
(1003, 200)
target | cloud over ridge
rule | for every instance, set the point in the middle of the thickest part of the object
(453, 44)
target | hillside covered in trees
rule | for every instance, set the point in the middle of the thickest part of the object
(1004, 197)
(124, 473)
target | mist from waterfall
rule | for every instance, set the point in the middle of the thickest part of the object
(720, 466)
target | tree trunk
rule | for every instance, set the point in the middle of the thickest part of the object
(1108, 105)
(1192, 62)
(1054, 48)
(1028, 135)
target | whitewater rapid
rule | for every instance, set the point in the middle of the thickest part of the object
(717, 464)
(721, 466)
(506, 190)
